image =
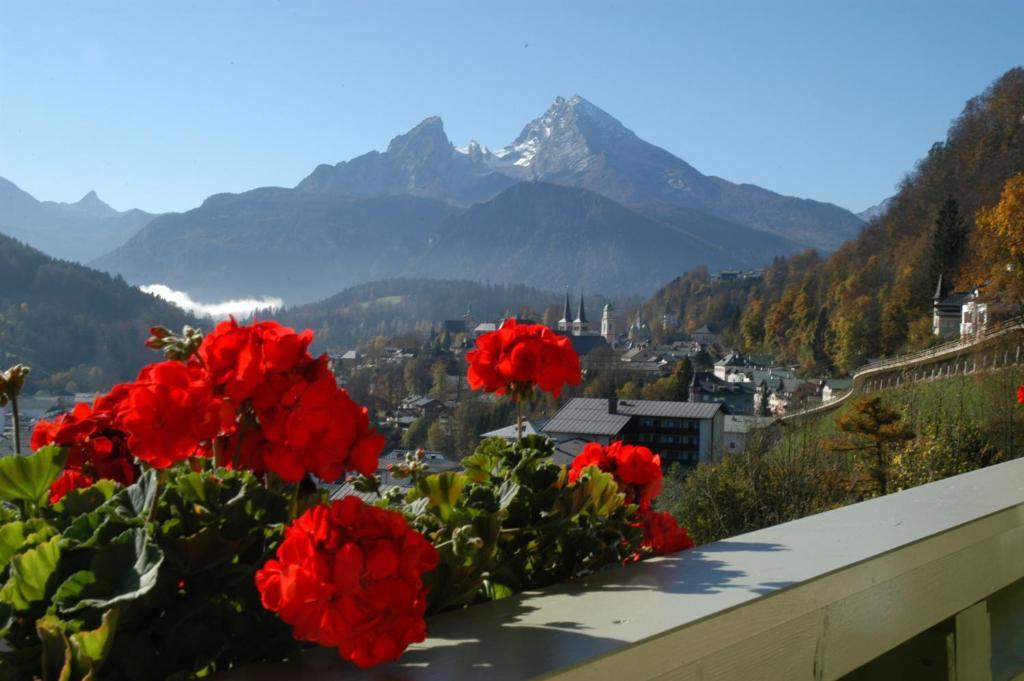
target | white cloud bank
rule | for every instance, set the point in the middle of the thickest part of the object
(241, 308)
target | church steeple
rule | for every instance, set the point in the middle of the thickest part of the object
(580, 325)
(581, 314)
(565, 323)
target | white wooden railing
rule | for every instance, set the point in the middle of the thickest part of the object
(935, 353)
(814, 599)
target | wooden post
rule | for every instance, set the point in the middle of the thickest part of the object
(971, 646)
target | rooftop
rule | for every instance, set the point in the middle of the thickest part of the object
(593, 417)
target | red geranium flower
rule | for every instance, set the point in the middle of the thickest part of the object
(663, 535)
(636, 469)
(95, 449)
(350, 575)
(169, 413)
(309, 424)
(522, 355)
(240, 358)
(1020, 394)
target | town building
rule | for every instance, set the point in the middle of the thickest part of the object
(705, 335)
(741, 364)
(530, 427)
(974, 317)
(639, 332)
(685, 432)
(834, 387)
(947, 310)
(737, 397)
(609, 325)
(422, 406)
(737, 430)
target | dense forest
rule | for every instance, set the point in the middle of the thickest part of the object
(873, 297)
(77, 328)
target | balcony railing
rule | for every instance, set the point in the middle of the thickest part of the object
(816, 598)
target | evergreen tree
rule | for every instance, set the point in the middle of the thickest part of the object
(878, 428)
(684, 376)
(949, 239)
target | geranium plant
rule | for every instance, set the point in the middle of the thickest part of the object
(177, 526)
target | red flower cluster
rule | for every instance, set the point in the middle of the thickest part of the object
(241, 358)
(95, 449)
(350, 575)
(169, 413)
(253, 394)
(306, 423)
(522, 355)
(636, 469)
(662, 533)
(1020, 394)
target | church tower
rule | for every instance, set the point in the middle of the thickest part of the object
(565, 323)
(608, 329)
(580, 325)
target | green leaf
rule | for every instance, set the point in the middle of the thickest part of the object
(22, 535)
(595, 491)
(78, 502)
(507, 493)
(442, 489)
(123, 570)
(28, 478)
(56, 651)
(135, 500)
(30, 572)
(126, 509)
(12, 538)
(89, 649)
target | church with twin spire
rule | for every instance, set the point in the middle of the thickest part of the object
(578, 325)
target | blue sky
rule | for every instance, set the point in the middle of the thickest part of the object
(160, 105)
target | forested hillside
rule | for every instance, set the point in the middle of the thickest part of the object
(77, 328)
(873, 296)
(400, 306)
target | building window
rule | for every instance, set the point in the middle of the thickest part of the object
(670, 423)
(668, 439)
(647, 423)
(645, 437)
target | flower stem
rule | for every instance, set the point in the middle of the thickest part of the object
(17, 424)
(519, 421)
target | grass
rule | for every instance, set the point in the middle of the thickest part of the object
(987, 399)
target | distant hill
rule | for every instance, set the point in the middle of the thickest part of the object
(279, 242)
(399, 306)
(79, 329)
(77, 231)
(873, 296)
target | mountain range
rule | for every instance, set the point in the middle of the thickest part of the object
(620, 216)
(77, 231)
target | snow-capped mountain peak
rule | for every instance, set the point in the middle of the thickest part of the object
(567, 134)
